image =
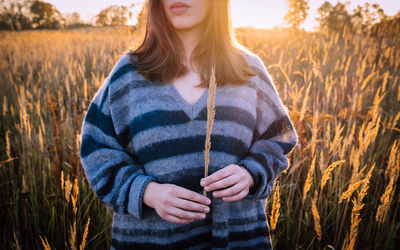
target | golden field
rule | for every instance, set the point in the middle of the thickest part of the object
(342, 91)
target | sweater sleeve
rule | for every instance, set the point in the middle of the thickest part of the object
(115, 176)
(273, 139)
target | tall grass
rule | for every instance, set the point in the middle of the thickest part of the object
(342, 92)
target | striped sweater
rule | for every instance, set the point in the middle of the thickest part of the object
(136, 131)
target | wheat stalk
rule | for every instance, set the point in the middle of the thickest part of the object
(45, 243)
(67, 189)
(357, 207)
(85, 233)
(210, 121)
(391, 169)
(386, 198)
(41, 144)
(8, 147)
(315, 214)
(308, 182)
(314, 132)
(74, 196)
(5, 106)
(275, 207)
(304, 104)
(72, 237)
(74, 199)
(327, 173)
(350, 190)
(62, 181)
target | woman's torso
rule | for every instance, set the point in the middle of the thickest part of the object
(166, 133)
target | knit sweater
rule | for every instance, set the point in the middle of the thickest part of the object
(136, 131)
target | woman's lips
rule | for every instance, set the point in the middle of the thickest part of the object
(179, 8)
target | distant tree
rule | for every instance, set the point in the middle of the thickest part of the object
(141, 18)
(337, 17)
(387, 27)
(45, 15)
(73, 20)
(334, 17)
(297, 12)
(102, 19)
(113, 15)
(364, 17)
(14, 15)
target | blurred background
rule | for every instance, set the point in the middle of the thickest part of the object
(336, 68)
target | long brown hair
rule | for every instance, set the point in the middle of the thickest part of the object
(159, 57)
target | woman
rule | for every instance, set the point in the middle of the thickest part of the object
(143, 135)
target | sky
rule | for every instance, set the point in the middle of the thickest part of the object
(256, 13)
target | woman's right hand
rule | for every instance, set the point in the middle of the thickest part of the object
(176, 204)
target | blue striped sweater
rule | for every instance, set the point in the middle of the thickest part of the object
(136, 131)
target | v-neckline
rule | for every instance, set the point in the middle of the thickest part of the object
(191, 110)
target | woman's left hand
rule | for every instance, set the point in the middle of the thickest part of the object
(234, 182)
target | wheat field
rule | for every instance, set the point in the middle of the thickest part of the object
(342, 91)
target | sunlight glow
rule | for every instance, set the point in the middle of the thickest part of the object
(256, 13)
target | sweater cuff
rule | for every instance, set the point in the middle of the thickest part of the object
(256, 174)
(136, 207)
(253, 189)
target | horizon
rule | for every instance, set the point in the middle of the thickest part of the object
(261, 14)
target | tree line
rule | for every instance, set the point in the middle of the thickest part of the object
(36, 14)
(362, 19)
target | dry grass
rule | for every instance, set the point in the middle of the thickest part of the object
(315, 214)
(275, 207)
(210, 121)
(341, 90)
(327, 173)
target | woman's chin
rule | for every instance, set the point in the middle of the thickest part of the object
(184, 25)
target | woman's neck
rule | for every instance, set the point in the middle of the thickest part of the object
(190, 38)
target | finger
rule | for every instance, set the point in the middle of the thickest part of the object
(186, 215)
(174, 219)
(233, 190)
(220, 174)
(237, 197)
(223, 183)
(190, 205)
(192, 196)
